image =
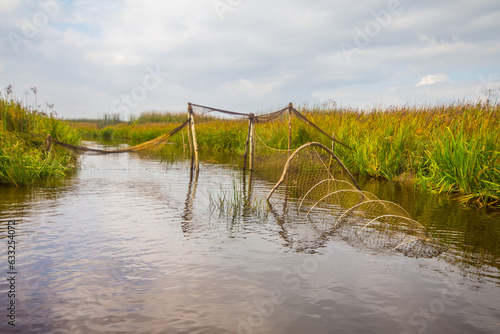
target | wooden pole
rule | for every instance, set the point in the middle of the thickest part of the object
(290, 106)
(247, 146)
(48, 143)
(193, 134)
(190, 138)
(252, 141)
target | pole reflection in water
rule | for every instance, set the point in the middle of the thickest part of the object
(190, 197)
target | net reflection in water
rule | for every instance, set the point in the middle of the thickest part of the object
(322, 192)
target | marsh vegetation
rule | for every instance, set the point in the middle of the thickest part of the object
(449, 148)
(24, 159)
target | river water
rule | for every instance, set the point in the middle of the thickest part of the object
(132, 244)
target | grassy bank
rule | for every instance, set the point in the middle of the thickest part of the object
(23, 160)
(452, 148)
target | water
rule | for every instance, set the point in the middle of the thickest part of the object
(130, 244)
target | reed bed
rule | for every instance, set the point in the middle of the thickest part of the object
(213, 134)
(452, 149)
(236, 204)
(158, 117)
(23, 159)
(448, 148)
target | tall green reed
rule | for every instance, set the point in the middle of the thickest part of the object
(23, 160)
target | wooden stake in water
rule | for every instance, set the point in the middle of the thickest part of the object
(252, 141)
(190, 138)
(247, 146)
(193, 134)
(290, 106)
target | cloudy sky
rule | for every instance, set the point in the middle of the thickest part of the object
(92, 57)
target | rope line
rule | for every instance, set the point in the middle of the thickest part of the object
(269, 147)
(269, 117)
(220, 110)
(148, 144)
(306, 120)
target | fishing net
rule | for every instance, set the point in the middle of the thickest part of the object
(318, 191)
(143, 146)
(315, 195)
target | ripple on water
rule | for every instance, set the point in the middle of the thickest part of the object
(127, 246)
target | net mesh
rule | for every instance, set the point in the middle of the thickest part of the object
(316, 191)
(94, 151)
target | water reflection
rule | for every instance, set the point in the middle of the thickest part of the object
(472, 235)
(128, 244)
(190, 198)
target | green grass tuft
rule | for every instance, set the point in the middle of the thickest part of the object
(23, 160)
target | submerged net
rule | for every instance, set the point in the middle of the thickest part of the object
(318, 191)
(143, 146)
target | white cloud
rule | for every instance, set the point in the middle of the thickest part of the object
(433, 79)
(256, 57)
